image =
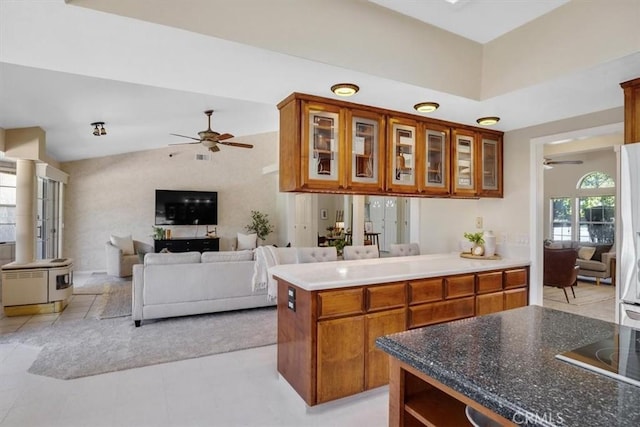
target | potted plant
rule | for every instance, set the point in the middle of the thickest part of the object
(260, 225)
(478, 241)
(158, 233)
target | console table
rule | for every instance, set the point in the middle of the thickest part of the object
(180, 244)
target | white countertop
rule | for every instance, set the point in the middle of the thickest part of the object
(39, 263)
(340, 274)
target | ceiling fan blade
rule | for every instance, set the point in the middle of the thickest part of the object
(185, 136)
(236, 144)
(564, 162)
(185, 143)
(224, 136)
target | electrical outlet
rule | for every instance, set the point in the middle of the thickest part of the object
(478, 222)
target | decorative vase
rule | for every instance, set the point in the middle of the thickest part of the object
(478, 250)
(400, 163)
(489, 243)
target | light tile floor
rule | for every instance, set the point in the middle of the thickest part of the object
(241, 388)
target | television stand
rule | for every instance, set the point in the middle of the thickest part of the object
(186, 244)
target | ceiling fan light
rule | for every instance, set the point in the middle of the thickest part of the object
(345, 89)
(488, 121)
(98, 128)
(96, 131)
(103, 131)
(426, 107)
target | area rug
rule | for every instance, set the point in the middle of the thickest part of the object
(87, 347)
(586, 293)
(95, 284)
(115, 301)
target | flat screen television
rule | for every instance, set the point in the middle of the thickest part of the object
(179, 207)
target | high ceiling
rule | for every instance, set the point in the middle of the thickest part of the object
(150, 68)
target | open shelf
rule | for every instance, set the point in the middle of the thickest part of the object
(435, 408)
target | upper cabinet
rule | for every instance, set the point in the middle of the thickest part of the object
(365, 151)
(435, 143)
(490, 165)
(402, 156)
(332, 146)
(464, 163)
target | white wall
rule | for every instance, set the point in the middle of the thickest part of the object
(116, 194)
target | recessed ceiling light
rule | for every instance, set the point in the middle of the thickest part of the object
(426, 107)
(344, 89)
(488, 121)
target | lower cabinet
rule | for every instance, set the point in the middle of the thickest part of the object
(326, 339)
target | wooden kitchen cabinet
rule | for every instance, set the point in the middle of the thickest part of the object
(489, 165)
(464, 163)
(365, 151)
(376, 361)
(322, 146)
(501, 290)
(435, 143)
(402, 156)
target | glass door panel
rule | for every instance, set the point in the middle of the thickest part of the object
(404, 150)
(365, 151)
(464, 162)
(436, 159)
(489, 164)
(323, 141)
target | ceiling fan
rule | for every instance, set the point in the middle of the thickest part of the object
(548, 163)
(211, 139)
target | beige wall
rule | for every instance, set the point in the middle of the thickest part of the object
(116, 194)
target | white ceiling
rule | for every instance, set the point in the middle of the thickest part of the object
(45, 82)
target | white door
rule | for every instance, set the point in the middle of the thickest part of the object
(304, 230)
(383, 213)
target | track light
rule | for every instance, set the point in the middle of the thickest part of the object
(345, 89)
(98, 128)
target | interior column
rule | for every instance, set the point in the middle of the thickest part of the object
(357, 234)
(25, 211)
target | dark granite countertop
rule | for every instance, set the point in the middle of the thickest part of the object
(506, 362)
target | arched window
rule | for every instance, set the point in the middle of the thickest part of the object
(596, 180)
(596, 207)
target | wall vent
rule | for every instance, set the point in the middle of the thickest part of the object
(203, 157)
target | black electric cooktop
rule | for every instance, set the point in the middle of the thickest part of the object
(617, 356)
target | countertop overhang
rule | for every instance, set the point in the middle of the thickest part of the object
(506, 362)
(337, 274)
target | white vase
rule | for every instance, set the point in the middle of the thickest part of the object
(489, 243)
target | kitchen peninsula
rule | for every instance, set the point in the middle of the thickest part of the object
(330, 313)
(504, 365)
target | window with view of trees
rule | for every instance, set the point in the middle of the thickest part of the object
(593, 219)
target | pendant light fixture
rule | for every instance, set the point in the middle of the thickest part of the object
(426, 107)
(345, 89)
(98, 129)
(488, 121)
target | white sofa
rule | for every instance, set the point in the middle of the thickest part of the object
(182, 284)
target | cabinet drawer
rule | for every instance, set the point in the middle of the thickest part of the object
(386, 296)
(515, 298)
(515, 278)
(489, 303)
(340, 303)
(489, 282)
(427, 290)
(438, 312)
(459, 286)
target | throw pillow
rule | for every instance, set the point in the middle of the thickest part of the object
(125, 244)
(601, 249)
(586, 252)
(227, 256)
(247, 241)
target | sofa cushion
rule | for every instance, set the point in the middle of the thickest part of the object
(125, 244)
(172, 258)
(586, 252)
(247, 241)
(245, 255)
(317, 254)
(591, 265)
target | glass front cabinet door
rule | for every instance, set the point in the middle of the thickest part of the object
(435, 179)
(322, 146)
(464, 151)
(490, 166)
(401, 156)
(365, 136)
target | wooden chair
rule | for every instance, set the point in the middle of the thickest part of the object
(560, 269)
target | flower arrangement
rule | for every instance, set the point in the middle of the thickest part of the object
(475, 238)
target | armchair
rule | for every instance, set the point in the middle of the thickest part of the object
(560, 269)
(120, 264)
